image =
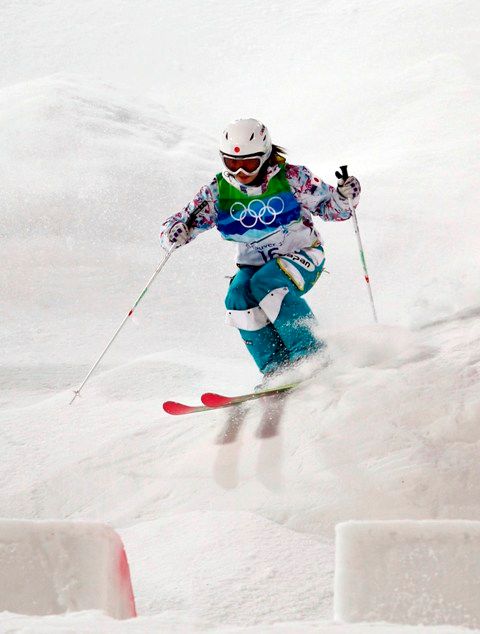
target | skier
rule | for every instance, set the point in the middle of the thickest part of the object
(266, 205)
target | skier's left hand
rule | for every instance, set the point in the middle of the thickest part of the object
(349, 188)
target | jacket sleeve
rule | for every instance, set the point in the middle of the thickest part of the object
(318, 197)
(201, 212)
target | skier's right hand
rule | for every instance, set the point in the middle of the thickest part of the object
(349, 188)
(178, 234)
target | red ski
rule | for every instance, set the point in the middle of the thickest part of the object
(212, 400)
(177, 409)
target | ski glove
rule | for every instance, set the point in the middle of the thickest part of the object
(178, 234)
(349, 188)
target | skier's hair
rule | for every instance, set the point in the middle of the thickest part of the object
(278, 155)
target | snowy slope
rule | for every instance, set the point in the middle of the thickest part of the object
(411, 453)
(109, 111)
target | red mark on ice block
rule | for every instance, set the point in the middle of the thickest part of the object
(124, 570)
(367, 279)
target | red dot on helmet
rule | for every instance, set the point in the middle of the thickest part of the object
(236, 149)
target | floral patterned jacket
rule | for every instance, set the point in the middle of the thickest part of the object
(315, 197)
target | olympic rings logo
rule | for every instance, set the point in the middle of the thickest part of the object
(257, 211)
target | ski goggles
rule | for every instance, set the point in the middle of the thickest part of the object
(247, 164)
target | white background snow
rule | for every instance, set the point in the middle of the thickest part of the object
(110, 112)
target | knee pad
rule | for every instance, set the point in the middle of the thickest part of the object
(242, 310)
(250, 320)
(272, 302)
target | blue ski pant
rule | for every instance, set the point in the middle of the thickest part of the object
(266, 305)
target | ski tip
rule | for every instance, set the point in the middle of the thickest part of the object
(211, 399)
(177, 409)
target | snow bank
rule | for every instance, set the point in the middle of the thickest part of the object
(408, 572)
(84, 159)
(89, 172)
(57, 567)
(233, 568)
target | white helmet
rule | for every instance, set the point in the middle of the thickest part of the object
(245, 139)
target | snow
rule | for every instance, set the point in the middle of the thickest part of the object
(58, 567)
(408, 572)
(268, 555)
(109, 114)
(93, 622)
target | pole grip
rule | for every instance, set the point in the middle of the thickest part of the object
(343, 174)
(191, 218)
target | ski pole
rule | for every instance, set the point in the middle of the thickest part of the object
(343, 176)
(189, 223)
(129, 314)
